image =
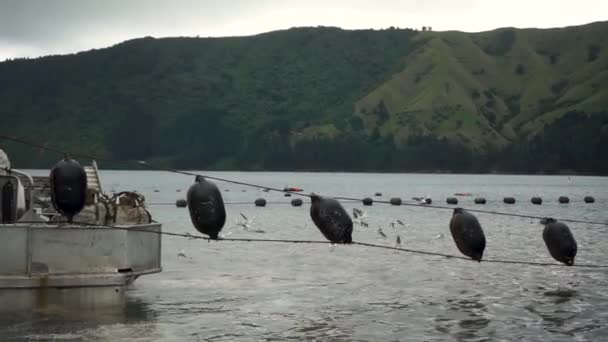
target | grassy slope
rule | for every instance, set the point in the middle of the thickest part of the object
(494, 87)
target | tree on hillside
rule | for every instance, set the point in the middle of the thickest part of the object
(381, 112)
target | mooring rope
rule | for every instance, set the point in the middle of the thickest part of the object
(225, 180)
(356, 243)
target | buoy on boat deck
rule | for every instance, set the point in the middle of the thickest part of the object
(181, 203)
(206, 207)
(480, 200)
(68, 182)
(451, 200)
(331, 219)
(509, 200)
(296, 202)
(367, 201)
(563, 199)
(260, 202)
(396, 201)
(559, 241)
(467, 234)
(378, 194)
(537, 200)
(287, 195)
(589, 199)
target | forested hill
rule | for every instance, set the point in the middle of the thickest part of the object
(508, 100)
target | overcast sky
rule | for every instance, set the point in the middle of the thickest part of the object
(41, 27)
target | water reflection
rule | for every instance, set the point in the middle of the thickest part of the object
(561, 296)
(465, 319)
(325, 328)
(65, 323)
(555, 309)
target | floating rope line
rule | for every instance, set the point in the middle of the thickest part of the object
(241, 203)
(318, 242)
(145, 164)
(481, 211)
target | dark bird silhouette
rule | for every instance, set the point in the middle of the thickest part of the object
(206, 207)
(331, 219)
(559, 241)
(468, 234)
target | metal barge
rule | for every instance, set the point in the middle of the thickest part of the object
(46, 262)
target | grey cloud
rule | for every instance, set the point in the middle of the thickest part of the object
(34, 27)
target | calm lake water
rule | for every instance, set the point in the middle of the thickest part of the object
(227, 291)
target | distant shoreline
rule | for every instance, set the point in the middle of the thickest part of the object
(494, 173)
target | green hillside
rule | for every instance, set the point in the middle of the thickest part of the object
(324, 99)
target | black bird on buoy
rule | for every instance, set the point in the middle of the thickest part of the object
(68, 182)
(331, 219)
(206, 207)
(468, 234)
(559, 241)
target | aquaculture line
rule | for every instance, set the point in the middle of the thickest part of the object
(206, 209)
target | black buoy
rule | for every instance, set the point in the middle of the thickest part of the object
(296, 202)
(367, 201)
(331, 219)
(396, 201)
(537, 200)
(378, 194)
(260, 202)
(559, 241)
(480, 200)
(181, 203)
(287, 195)
(468, 234)
(563, 199)
(68, 182)
(428, 200)
(206, 207)
(589, 199)
(509, 200)
(451, 200)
